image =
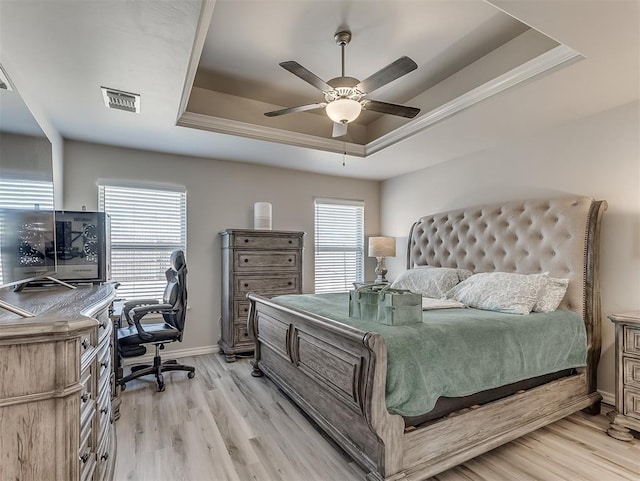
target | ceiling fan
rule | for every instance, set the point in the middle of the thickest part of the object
(346, 97)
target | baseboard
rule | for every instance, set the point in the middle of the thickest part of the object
(608, 398)
(173, 354)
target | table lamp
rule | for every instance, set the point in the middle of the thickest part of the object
(381, 247)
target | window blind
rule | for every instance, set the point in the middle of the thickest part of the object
(339, 244)
(146, 226)
(24, 194)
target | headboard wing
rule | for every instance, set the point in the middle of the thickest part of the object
(559, 236)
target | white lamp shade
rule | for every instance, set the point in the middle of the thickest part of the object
(343, 111)
(382, 246)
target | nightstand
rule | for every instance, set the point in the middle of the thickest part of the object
(627, 413)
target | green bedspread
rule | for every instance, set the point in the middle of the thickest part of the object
(457, 352)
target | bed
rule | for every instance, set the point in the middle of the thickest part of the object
(337, 373)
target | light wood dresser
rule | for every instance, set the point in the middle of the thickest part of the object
(266, 262)
(627, 413)
(55, 385)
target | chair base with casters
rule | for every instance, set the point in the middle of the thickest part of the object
(128, 340)
(157, 368)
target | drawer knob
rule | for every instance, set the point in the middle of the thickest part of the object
(84, 397)
(246, 285)
(85, 344)
(104, 364)
(290, 260)
(246, 240)
(290, 283)
(104, 410)
(103, 324)
(85, 457)
(246, 260)
(245, 309)
(105, 456)
(290, 242)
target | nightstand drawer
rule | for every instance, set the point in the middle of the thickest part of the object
(632, 403)
(631, 340)
(261, 241)
(631, 372)
(266, 260)
(267, 285)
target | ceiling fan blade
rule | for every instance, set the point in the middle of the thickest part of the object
(393, 71)
(298, 70)
(299, 108)
(339, 129)
(393, 109)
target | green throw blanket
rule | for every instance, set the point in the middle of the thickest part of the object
(457, 352)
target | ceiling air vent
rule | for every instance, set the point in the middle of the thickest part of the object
(117, 99)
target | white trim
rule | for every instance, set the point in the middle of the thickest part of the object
(174, 354)
(545, 62)
(608, 398)
(336, 201)
(141, 184)
(202, 29)
(260, 132)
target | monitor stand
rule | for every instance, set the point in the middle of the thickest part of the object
(19, 287)
(15, 310)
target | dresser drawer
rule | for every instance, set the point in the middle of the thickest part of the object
(265, 260)
(267, 285)
(632, 403)
(262, 241)
(631, 372)
(240, 311)
(632, 340)
(104, 325)
(241, 333)
(103, 359)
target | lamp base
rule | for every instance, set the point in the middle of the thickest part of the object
(381, 272)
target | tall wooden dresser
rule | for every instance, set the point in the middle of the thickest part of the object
(266, 262)
(55, 390)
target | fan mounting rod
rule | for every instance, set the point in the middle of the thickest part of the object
(342, 39)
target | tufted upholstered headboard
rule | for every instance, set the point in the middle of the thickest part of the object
(559, 235)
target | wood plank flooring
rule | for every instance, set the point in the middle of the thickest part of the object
(226, 425)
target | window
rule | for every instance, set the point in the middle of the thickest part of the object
(146, 226)
(25, 194)
(339, 244)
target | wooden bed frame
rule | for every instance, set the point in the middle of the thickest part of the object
(337, 373)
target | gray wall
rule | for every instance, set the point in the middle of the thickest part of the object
(598, 156)
(220, 195)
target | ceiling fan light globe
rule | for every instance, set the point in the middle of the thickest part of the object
(343, 111)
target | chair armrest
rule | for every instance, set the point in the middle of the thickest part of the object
(139, 312)
(128, 305)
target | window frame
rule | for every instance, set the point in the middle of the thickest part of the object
(354, 245)
(148, 281)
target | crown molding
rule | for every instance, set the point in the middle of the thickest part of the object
(544, 63)
(234, 127)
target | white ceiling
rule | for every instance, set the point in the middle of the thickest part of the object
(66, 50)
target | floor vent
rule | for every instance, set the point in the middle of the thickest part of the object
(119, 100)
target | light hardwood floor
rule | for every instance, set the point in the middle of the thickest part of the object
(227, 425)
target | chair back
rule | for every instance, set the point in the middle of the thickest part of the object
(176, 291)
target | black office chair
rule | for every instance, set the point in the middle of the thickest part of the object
(131, 339)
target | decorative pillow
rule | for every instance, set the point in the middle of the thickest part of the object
(429, 281)
(500, 291)
(551, 295)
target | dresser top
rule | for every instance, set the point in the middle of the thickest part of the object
(632, 317)
(57, 309)
(263, 232)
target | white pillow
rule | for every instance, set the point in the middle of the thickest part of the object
(551, 294)
(500, 291)
(429, 281)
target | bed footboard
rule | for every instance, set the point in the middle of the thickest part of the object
(336, 374)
